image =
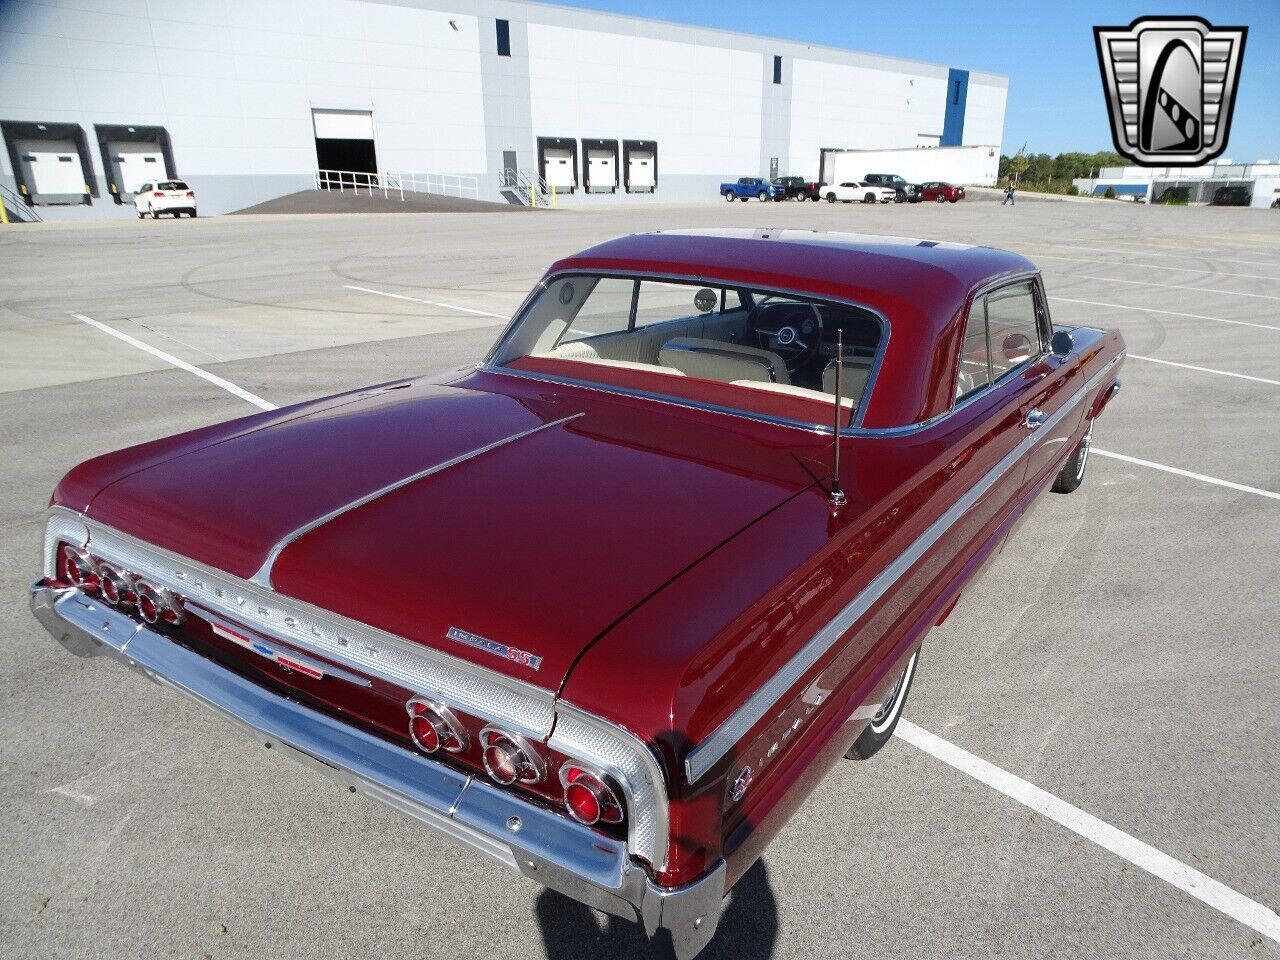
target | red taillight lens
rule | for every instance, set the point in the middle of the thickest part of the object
(156, 605)
(80, 569)
(158, 193)
(117, 587)
(191, 193)
(588, 798)
(433, 726)
(509, 759)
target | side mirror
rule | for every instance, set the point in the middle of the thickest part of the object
(1062, 344)
(1016, 347)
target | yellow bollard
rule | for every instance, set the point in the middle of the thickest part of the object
(553, 195)
(533, 197)
(4, 213)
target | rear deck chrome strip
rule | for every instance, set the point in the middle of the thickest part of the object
(708, 753)
(263, 576)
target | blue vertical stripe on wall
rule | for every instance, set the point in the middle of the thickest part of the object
(953, 120)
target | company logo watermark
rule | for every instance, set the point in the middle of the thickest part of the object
(1171, 87)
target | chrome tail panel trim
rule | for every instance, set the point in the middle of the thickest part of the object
(263, 576)
(624, 757)
(539, 843)
(519, 706)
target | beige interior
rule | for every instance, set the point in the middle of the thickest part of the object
(717, 360)
(854, 374)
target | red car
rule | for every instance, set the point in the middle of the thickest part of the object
(941, 192)
(607, 606)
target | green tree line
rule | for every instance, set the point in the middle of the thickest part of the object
(1039, 171)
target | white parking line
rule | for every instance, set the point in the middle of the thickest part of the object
(1180, 286)
(1153, 266)
(1142, 855)
(1230, 485)
(432, 303)
(217, 381)
(1190, 366)
(1167, 313)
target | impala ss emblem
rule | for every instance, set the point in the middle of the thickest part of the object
(523, 657)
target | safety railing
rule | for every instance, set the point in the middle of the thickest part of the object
(530, 188)
(398, 183)
(14, 208)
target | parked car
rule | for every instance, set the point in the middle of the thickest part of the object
(797, 188)
(904, 192)
(1236, 196)
(744, 188)
(1179, 196)
(941, 192)
(165, 196)
(856, 190)
(630, 734)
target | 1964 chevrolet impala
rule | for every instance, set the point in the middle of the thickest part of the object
(607, 606)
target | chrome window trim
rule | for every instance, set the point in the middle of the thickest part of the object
(882, 346)
(1038, 300)
(523, 707)
(718, 744)
(263, 575)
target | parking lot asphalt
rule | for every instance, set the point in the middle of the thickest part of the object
(1121, 653)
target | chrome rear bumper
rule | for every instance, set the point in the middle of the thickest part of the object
(538, 843)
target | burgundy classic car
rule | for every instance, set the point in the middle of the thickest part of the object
(608, 605)
(941, 192)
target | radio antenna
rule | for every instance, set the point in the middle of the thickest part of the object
(837, 496)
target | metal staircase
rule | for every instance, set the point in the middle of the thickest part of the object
(16, 209)
(525, 188)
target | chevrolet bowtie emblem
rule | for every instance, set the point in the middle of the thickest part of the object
(1171, 86)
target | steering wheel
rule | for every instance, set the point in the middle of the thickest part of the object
(791, 330)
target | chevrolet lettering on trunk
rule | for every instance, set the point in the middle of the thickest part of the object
(691, 521)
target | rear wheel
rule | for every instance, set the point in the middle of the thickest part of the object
(154, 213)
(831, 198)
(762, 196)
(899, 198)
(941, 199)
(728, 196)
(869, 198)
(881, 727)
(814, 198)
(1071, 475)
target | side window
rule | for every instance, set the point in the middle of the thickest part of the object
(606, 309)
(659, 302)
(974, 374)
(1013, 328)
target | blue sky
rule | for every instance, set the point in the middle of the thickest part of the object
(1046, 50)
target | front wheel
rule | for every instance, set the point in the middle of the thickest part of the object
(941, 199)
(1071, 475)
(899, 198)
(728, 196)
(155, 214)
(869, 198)
(762, 196)
(882, 725)
(814, 198)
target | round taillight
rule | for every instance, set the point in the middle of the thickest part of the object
(117, 586)
(157, 605)
(433, 726)
(509, 759)
(80, 568)
(588, 798)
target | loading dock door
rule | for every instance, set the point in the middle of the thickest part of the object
(559, 167)
(135, 164)
(640, 170)
(52, 171)
(602, 169)
(344, 140)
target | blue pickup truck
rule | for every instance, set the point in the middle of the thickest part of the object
(747, 187)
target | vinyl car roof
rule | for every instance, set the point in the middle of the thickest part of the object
(920, 287)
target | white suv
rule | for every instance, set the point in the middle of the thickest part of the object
(165, 196)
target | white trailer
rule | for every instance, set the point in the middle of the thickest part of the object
(978, 165)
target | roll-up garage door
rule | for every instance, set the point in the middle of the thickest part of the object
(602, 171)
(343, 124)
(559, 167)
(640, 169)
(135, 164)
(52, 170)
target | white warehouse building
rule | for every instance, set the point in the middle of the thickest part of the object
(247, 99)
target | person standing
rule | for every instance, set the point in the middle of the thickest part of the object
(1008, 195)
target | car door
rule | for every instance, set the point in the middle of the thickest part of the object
(1047, 411)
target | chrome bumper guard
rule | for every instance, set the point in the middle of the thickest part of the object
(540, 844)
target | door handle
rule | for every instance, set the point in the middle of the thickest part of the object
(1035, 418)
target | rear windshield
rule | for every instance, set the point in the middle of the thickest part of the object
(744, 348)
(171, 185)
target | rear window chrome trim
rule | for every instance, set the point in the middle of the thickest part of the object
(886, 328)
